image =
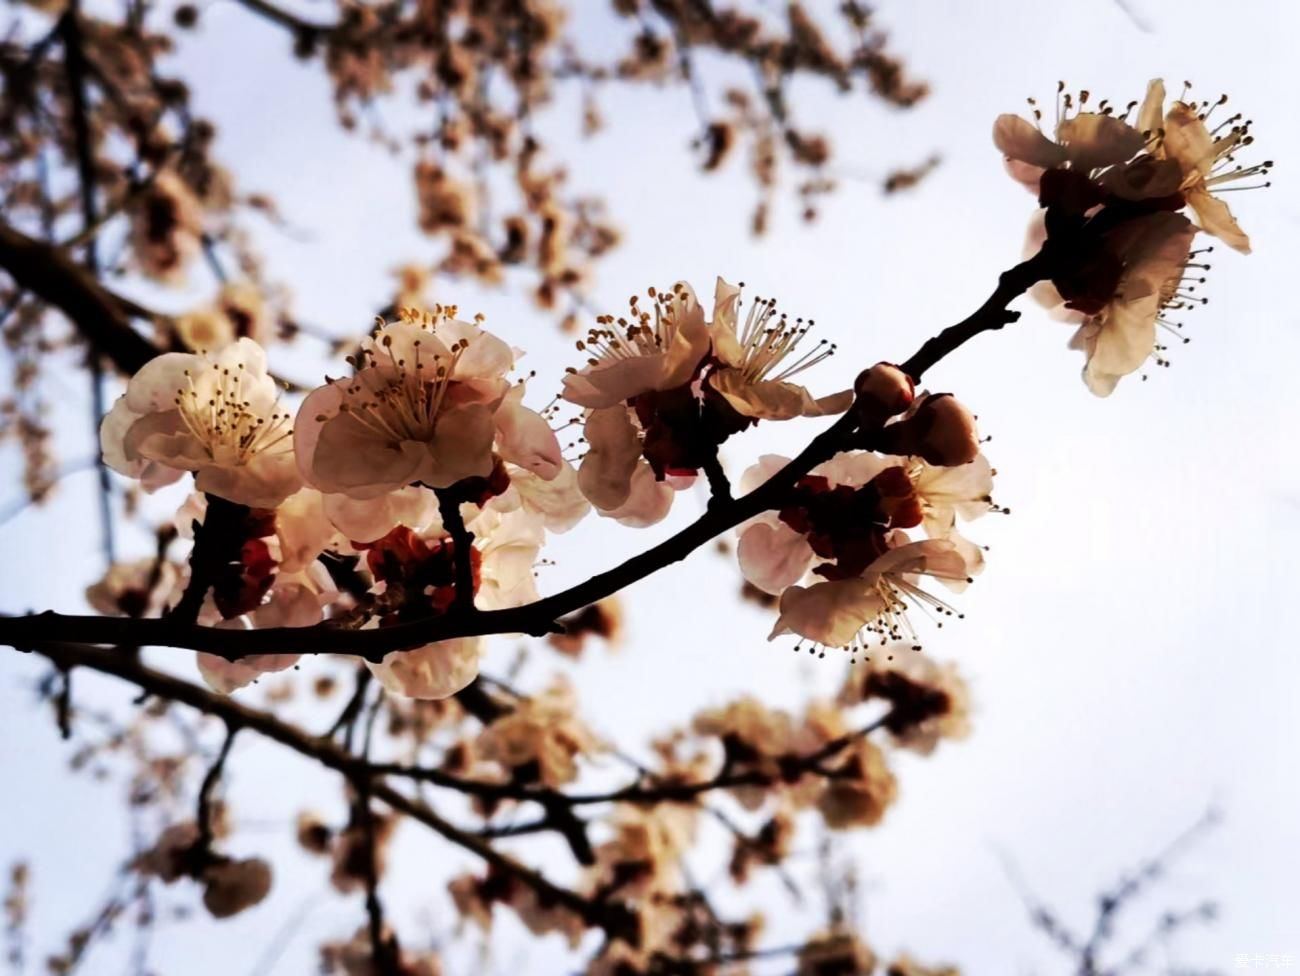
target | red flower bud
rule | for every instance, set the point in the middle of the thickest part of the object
(883, 391)
(939, 429)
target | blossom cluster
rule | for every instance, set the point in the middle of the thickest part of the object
(1115, 188)
(775, 765)
(365, 474)
(423, 473)
(425, 450)
(837, 555)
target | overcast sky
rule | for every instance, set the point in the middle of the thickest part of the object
(1129, 644)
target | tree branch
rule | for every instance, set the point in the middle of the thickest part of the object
(635, 792)
(462, 541)
(100, 315)
(537, 618)
(612, 917)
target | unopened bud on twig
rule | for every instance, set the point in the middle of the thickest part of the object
(939, 429)
(881, 392)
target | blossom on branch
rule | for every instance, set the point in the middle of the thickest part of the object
(1113, 192)
(756, 361)
(218, 416)
(415, 578)
(1206, 160)
(428, 404)
(845, 523)
(664, 388)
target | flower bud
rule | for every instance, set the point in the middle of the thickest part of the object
(882, 391)
(232, 886)
(939, 429)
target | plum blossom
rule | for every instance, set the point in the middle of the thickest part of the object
(861, 790)
(303, 530)
(882, 391)
(166, 226)
(664, 388)
(842, 612)
(937, 428)
(428, 403)
(838, 517)
(141, 588)
(837, 951)
(540, 740)
(558, 502)
(962, 491)
(772, 553)
(230, 886)
(295, 600)
(365, 520)
(845, 523)
(638, 367)
(754, 739)
(238, 312)
(1153, 253)
(506, 548)
(658, 350)
(1133, 161)
(1117, 340)
(757, 360)
(928, 702)
(435, 671)
(613, 475)
(1205, 159)
(1113, 192)
(218, 416)
(643, 857)
(1085, 142)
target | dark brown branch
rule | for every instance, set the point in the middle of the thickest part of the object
(384, 950)
(611, 917)
(636, 792)
(993, 314)
(347, 719)
(277, 15)
(462, 541)
(203, 817)
(74, 62)
(537, 618)
(719, 485)
(103, 317)
(475, 700)
(217, 541)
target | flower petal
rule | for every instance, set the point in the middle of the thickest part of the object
(348, 457)
(605, 475)
(264, 481)
(525, 438)
(1150, 116)
(1215, 218)
(773, 556)
(830, 613)
(726, 345)
(1092, 140)
(368, 519)
(1188, 141)
(435, 671)
(648, 499)
(461, 446)
(1018, 139)
(603, 386)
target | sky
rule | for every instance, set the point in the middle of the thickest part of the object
(1128, 645)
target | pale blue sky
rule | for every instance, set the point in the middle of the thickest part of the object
(1128, 646)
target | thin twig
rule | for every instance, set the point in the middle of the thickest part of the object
(462, 541)
(203, 816)
(612, 917)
